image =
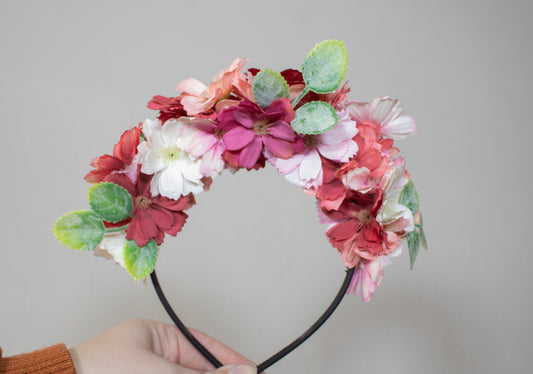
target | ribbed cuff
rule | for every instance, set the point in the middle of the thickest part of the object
(54, 359)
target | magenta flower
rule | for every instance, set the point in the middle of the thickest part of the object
(249, 128)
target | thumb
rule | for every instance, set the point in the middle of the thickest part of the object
(236, 369)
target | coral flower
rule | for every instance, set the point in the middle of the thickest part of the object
(121, 161)
(249, 128)
(198, 98)
(358, 233)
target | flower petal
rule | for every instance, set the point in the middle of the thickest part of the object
(250, 154)
(238, 137)
(310, 166)
(279, 148)
(282, 130)
(400, 128)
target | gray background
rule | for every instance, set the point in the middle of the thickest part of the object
(252, 267)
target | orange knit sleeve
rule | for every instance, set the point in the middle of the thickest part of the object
(54, 359)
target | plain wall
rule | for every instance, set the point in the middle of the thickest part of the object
(252, 266)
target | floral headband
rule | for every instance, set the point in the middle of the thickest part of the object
(340, 151)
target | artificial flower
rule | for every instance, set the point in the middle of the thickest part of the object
(155, 216)
(122, 160)
(169, 107)
(112, 247)
(176, 172)
(364, 172)
(304, 169)
(368, 277)
(198, 98)
(359, 235)
(203, 139)
(385, 114)
(249, 129)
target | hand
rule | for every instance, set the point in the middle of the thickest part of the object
(143, 346)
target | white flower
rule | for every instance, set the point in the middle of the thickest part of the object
(112, 247)
(175, 171)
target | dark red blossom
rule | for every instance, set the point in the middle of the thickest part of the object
(169, 107)
(153, 217)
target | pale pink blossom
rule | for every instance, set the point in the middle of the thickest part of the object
(384, 113)
(304, 169)
(198, 98)
(203, 139)
(368, 277)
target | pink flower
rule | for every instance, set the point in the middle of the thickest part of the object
(304, 169)
(368, 277)
(248, 128)
(198, 98)
(204, 139)
(386, 115)
(359, 235)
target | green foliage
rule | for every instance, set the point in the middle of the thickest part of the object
(110, 202)
(409, 197)
(413, 242)
(80, 230)
(314, 118)
(140, 261)
(325, 66)
(269, 85)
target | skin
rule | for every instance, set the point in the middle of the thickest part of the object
(144, 346)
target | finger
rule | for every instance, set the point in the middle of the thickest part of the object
(221, 351)
(236, 369)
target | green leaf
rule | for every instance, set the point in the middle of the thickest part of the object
(413, 242)
(423, 241)
(314, 118)
(81, 230)
(268, 86)
(110, 201)
(409, 197)
(325, 66)
(140, 261)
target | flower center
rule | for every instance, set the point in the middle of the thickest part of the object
(311, 141)
(142, 202)
(363, 216)
(261, 127)
(171, 153)
(218, 133)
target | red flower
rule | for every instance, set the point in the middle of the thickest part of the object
(123, 154)
(153, 217)
(169, 107)
(332, 191)
(359, 234)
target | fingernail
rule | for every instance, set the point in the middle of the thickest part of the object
(242, 369)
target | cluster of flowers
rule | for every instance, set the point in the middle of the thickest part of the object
(352, 169)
